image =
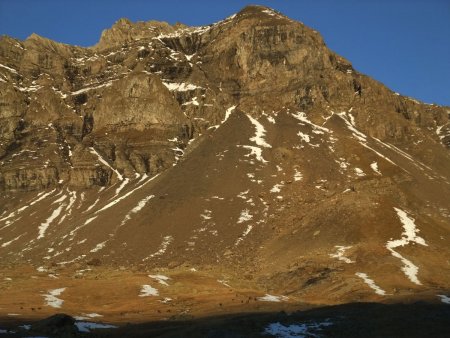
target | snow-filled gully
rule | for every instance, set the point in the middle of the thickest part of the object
(409, 235)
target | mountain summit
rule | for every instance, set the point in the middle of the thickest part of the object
(246, 151)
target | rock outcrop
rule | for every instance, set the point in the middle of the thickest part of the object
(146, 83)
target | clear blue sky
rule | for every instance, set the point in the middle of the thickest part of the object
(403, 43)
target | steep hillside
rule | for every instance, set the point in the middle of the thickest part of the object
(244, 150)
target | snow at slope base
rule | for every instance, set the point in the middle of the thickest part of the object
(51, 298)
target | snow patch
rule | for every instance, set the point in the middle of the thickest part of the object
(255, 151)
(340, 254)
(371, 283)
(359, 172)
(276, 188)
(304, 137)
(86, 327)
(296, 330)
(206, 215)
(272, 298)
(161, 279)
(374, 166)
(52, 299)
(245, 216)
(147, 291)
(297, 175)
(444, 299)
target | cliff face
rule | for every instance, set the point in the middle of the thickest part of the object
(147, 83)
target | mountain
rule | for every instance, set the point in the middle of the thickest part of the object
(244, 152)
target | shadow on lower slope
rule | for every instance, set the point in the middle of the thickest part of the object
(348, 320)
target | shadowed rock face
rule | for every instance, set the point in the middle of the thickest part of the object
(277, 160)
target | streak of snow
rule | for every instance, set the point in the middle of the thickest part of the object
(413, 160)
(371, 283)
(351, 126)
(83, 90)
(68, 211)
(147, 291)
(39, 198)
(228, 113)
(224, 282)
(99, 246)
(12, 70)
(162, 248)
(44, 226)
(180, 87)
(301, 116)
(380, 154)
(114, 202)
(409, 235)
(141, 204)
(52, 299)
(244, 234)
(272, 298)
(161, 279)
(243, 194)
(102, 160)
(260, 133)
(11, 241)
(122, 185)
(72, 260)
(92, 205)
(72, 232)
(340, 254)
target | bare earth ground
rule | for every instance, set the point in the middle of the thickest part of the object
(202, 303)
